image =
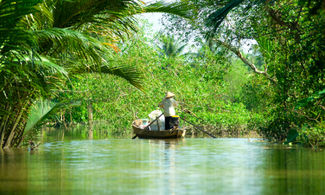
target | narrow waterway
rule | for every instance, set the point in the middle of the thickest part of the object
(185, 166)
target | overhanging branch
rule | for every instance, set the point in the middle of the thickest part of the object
(243, 59)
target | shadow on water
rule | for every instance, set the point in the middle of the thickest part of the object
(76, 165)
(294, 170)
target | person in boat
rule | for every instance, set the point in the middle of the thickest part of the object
(169, 104)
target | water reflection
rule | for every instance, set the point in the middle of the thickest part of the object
(77, 133)
(183, 166)
(167, 162)
(11, 166)
(294, 170)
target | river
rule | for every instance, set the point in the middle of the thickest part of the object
(184, 166)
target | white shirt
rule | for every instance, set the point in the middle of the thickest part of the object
(168, 104)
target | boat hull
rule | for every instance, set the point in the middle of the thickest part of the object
(164, 134)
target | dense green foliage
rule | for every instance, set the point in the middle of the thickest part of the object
(206, 86)
(289, 43)
(62, 51)
(296, 58)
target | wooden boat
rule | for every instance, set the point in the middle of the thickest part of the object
(163, 134)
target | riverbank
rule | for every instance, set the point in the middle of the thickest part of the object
(221, 133)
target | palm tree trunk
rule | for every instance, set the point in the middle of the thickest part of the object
(12, 132)
(2, 129)
(20, 136)
(2, 134)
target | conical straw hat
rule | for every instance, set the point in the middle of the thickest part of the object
(169, 95)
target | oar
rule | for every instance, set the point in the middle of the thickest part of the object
(196, 127)
(147, 127)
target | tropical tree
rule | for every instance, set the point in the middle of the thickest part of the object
(169, 47)
(44, 42)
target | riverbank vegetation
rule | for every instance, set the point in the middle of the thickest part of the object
(57, 64)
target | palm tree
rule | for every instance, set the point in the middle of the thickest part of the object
(170, 47)
(43, 42)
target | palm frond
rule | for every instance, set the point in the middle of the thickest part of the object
(12, 34)
(42, 18)
(57, 40)
(78, 12)
(129, 73)
(47, 64)
(179, 9)
(120, 25)
(12, 11)
(40, 110)
(215, 18)
(170, 47)
(92, 54)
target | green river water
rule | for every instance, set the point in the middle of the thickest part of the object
(184, 166)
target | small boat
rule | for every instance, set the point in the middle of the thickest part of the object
(140, 131)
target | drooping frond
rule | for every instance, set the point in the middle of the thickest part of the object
(40, 110)
(92, 54)
(129, 73)
(115, 26)
(178, 9)
(12, 34)
(215, 18)
(12, 11)
(42, 18)
(78, 12)
(47, 65)
(54, 41)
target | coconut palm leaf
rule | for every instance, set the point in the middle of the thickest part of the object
(74, 13)
(42, 109)
(54, 41)
(12, 34)
(170, 47)
(12, 11)
(215, 18)
(78, 12)
(179, 9)
(39, 111)
(129, 73)
(91, 53)
(76, 44)
(46, 65)
(41, 18)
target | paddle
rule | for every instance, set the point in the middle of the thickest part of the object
(196, 127)
(147, 127)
